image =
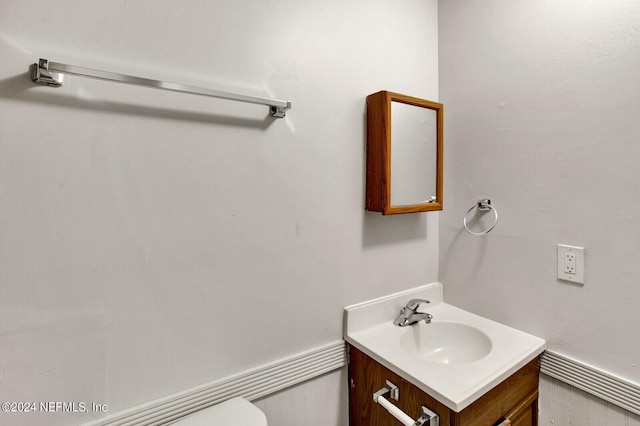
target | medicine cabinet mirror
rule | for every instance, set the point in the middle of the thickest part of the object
(404, 154)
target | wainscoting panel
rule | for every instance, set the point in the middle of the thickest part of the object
(323, 401)
(561, 404)
(597, 382)
(253, 385)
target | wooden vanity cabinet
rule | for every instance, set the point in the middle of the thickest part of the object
(513, 402)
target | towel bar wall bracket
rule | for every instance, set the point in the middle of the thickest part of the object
(51, 74)
(426, 415)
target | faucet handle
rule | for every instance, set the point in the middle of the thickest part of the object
(413, 303)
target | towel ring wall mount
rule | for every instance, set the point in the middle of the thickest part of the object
(483, 206)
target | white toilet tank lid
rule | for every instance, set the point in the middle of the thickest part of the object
(235, 411)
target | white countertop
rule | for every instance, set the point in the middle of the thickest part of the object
(369, 327)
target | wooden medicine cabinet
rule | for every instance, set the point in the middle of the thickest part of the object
(404, 154)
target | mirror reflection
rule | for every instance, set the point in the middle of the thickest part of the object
(413, 149)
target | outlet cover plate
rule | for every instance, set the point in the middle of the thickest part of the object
(576, 254)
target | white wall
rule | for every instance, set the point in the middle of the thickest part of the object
(151, 242)
(542, 102)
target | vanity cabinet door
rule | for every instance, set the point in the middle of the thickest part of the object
(525, 413)
(366, 377)
(502, 402)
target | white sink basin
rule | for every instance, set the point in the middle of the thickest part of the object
(456, 358)
(445, 342)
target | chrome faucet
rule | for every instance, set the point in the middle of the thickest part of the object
(409, 316)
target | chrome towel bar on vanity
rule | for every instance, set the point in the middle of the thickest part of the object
(45, 72)
(426, 415)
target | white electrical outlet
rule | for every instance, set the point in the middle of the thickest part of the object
(571, 263)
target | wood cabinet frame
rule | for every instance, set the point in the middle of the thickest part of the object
(378, 176)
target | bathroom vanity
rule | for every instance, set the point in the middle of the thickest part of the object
(512, 402)
(467, 369)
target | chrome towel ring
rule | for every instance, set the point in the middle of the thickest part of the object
(482, 206)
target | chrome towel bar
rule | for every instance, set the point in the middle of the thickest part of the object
(45, 72)
(394, 392)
